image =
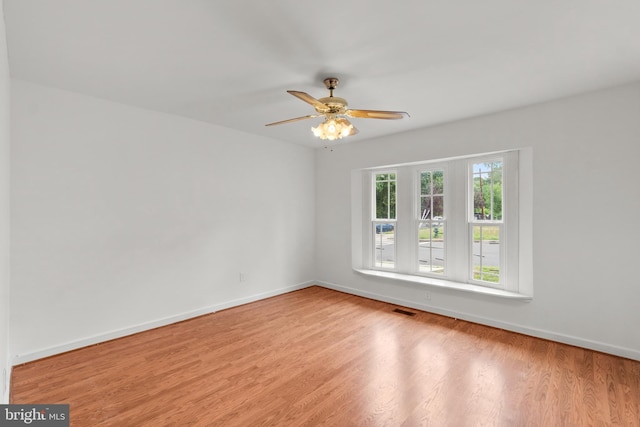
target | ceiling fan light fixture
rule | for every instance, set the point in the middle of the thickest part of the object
(335, 111)
(332, 129)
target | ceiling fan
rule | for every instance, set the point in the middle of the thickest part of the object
(335, 112)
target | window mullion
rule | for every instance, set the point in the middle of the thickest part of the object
(455, 206)
(405, 206)
(511, 208)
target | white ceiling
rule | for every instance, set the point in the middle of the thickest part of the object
(230, 62)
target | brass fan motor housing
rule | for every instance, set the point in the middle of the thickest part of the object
(335, 105)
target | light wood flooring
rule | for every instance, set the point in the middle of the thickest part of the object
(321, 357)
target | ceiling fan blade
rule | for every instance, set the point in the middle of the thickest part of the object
(308, 99)
(376, 114)
(311, 116)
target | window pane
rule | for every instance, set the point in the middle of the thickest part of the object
(382, 208)
(385, 196)
(438, 207)
(487, 191)
(384, 238)
(392, 199)
(431, 195)
(486, 253)
(425, 207)
(438, 182)
(425, 183)
(431, 247)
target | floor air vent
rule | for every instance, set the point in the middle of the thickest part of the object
(405, 312)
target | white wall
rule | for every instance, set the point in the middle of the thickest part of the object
(585, 229)
(5, 365)
(124, 218)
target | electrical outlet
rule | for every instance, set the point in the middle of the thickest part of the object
(243, 277)
(427, 295)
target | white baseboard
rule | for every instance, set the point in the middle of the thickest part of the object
(95, 339)
(534, 332)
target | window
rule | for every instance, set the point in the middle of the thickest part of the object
(446, 222)
(383, 224)
(431, 222)
(486, 225)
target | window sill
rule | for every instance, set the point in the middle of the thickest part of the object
(448, 284)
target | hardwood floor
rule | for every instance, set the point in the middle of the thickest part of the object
(320, 357)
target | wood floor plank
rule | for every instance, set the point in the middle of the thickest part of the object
(321, 357)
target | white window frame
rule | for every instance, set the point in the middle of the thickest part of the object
(515, 234)
(509, 209)
(417, 171)
(375, 220)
